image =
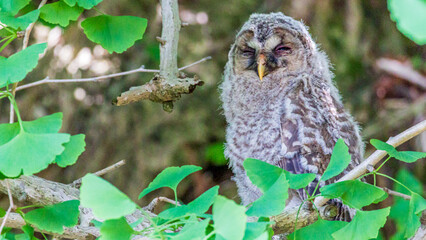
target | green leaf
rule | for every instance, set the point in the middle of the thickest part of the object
(193, 231)
(60, 13)
(87, 4)
(116, 229)
(320, 230)
(2, 212)
(21, 22)
(104, 199)
(254, 230)
(410, 17)
(17, 66)
(262, 174)
(114, 33)
(405, 156)
(214, 154)
(298, 181)
(41, 146)
(353, 193)
(340, 159)
(73, 149)
(272, 202)
(54, 218)
(169, 177)
(198, 206)
(12, 6)
(229, 219)
(415, 208)
(365, 225)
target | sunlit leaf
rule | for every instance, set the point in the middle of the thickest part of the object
(106, 201)
(87, 4)
(193, 231)
(410, 17)
(73, 150)
(298, 181)
(12, 6)
(198, 206)
(229, 219)
(41, 146)
(255, 231)
(54, 218)
(17, 66)
(320, 230)
(112, 32)
(170, 177)
(365, 225)
(262, 174)
(21, 22)
(116, 229)
(272, 202)
(416, 206)
(339, 161)
(60, 13)
(353, 193)
(405, 156)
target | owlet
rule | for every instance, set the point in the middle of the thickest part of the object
(281, 105)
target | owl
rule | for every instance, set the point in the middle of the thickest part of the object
(282, 107)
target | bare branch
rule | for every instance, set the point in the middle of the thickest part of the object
(374, 158)
(93, 79)
(194, 63)
(11, 206)
(150, 207)
(77, 183)
(398, 194)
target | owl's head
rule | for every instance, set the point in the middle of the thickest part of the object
(272, 43)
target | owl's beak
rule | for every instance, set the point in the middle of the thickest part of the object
(261, 64)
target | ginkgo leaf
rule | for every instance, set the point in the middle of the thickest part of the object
(410, 17)
(12, 6)
(87, 4)
(255, 230)
(60, 13)
(73, 149)
(193, 231)
(339, 160)
(416, 206)
(116, 229)
(17, 66)
(261, 174)
(198, 206)
(229, 219)
(320, 230)
(405, 156)
(106, 201)
(365, 225)
(272, 202)
(112, 32)
(41, 146)
(169, 177)
(54, 218)
(354, 193)
(21, 22)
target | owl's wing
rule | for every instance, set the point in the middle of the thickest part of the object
(298, 157)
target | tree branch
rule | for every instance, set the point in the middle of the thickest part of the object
(77, 183)
(374, 158)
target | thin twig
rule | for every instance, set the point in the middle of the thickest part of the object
(374, 158)
(391, 192)
(77, 183)
(24, 45)
(150, 207)
(11, 205)
(401, 70)
(194, 63)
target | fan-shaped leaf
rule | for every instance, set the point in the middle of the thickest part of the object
(73, 149)
(116, 229)
(60, 13)
(340, 159)
(12, 6)
(87, 4)
(54, 218)
(21, 22)
(16, 67)
(114, 33)
(106, 201)
(229, 219)
(169, 177)
(405, 156)
(320, 230)
(410, 17)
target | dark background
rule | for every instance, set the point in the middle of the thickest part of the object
(354, 34)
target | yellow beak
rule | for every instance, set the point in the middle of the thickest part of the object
(261, 63)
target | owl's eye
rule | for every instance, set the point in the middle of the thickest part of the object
(248, 52)
(282, 49)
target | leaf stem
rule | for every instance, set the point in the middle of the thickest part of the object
(381, 165)
(7, 43)
(393, 179)
(18, 115)
(297, 216)
(209, 235)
